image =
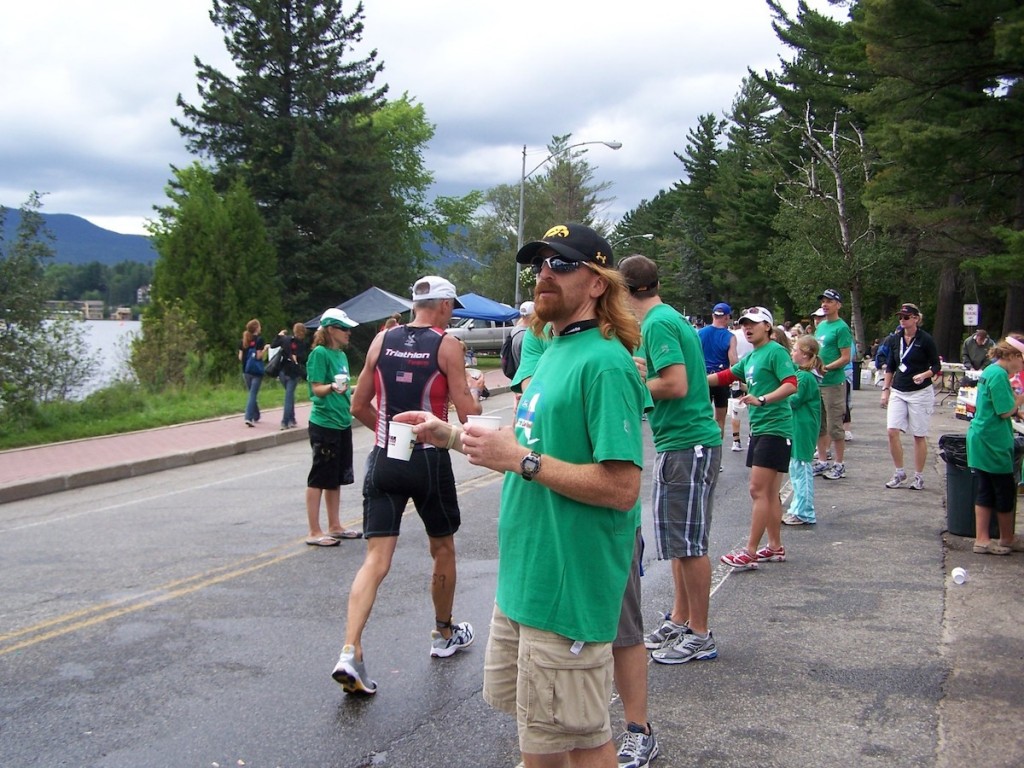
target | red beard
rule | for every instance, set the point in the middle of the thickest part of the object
(549, 302)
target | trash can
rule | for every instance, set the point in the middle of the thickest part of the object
(959, 486)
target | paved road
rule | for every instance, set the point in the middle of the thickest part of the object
(177, 619)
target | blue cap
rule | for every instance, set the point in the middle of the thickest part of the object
(721, 308)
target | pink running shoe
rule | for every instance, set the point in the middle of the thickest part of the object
(741, 560)
(769, 555)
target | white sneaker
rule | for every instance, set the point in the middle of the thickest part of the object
(836, 472)
(897, 480)
(849, 436)
(462, 637)
(736, 447)
(917, 484)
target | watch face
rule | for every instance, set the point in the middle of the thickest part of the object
(530, 465)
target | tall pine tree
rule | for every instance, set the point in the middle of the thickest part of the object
(296, 125)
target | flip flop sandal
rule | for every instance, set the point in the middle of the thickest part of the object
(323, 541)
(346, 534)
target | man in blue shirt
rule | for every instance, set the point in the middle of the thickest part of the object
(719, 347)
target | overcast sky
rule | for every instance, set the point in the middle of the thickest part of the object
(89, 89)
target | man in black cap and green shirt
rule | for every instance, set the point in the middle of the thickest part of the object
(836, 341)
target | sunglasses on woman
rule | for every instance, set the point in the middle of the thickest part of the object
(907, 317)
(555, 264)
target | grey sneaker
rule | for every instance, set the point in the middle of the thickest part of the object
(818, 468)
(637, 748)
(691, 647)
(443, 647)
(669, 632)
(917, 484)
(351, 674)
(835, 472)
(897, 479)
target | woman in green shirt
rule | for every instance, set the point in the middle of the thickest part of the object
(990, 448)
(771, 378)
(330, 427)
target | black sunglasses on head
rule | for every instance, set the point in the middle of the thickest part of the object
(555, 264)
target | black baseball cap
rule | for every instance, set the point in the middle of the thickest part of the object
(831, 293)
(574, 242)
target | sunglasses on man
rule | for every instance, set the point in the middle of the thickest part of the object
(555, 264)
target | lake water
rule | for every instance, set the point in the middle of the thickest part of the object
(108, 340)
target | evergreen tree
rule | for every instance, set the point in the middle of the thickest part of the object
(947, 117)
(744, 196)
(296, 125)
(690, 230)
(29, 340)
(216, 262)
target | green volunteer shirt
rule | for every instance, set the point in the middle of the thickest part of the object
(989, 437)
(682, 422)
(563, 564)
(833, 335)
(335, 410)
(764, 369)
(806, 407)
(533, 348)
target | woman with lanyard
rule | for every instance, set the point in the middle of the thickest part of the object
(907, 393)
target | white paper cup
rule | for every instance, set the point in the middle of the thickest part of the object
(484, 422)
(960, 575)
(400, 440)
(341, 382)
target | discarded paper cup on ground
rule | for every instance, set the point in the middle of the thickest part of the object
(960, 575)
(484, 422)
(400, 440)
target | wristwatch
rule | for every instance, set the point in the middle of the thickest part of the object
(530, 465)
(762, 401)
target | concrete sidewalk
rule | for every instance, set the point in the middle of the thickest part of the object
(43, 469)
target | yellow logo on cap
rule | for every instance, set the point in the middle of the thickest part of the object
(558, 231)
(600, 258)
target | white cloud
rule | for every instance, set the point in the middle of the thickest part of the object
(90, 88)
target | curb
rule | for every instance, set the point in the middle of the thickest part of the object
(55, 483)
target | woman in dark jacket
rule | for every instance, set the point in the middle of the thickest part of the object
(293, 367)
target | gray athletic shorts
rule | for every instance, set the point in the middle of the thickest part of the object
(631, 620)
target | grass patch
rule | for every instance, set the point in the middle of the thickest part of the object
(128, 408)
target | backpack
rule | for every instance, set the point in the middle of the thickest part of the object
(509, 361)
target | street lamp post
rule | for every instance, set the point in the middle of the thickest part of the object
(648, 236)
(522, 194)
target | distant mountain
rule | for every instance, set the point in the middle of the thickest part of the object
(77, 241)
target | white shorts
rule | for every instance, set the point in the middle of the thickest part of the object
(910, 411)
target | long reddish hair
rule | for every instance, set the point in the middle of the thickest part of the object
(252, 329)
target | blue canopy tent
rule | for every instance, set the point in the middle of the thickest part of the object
(482, 308)
(372, 304)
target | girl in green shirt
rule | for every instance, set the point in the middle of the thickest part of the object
(990, 448)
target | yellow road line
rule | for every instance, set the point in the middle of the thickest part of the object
(112, 609)
(82, 619)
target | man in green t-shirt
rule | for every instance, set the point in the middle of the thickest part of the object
(836, 341)
(570, 502)
(689, 445)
